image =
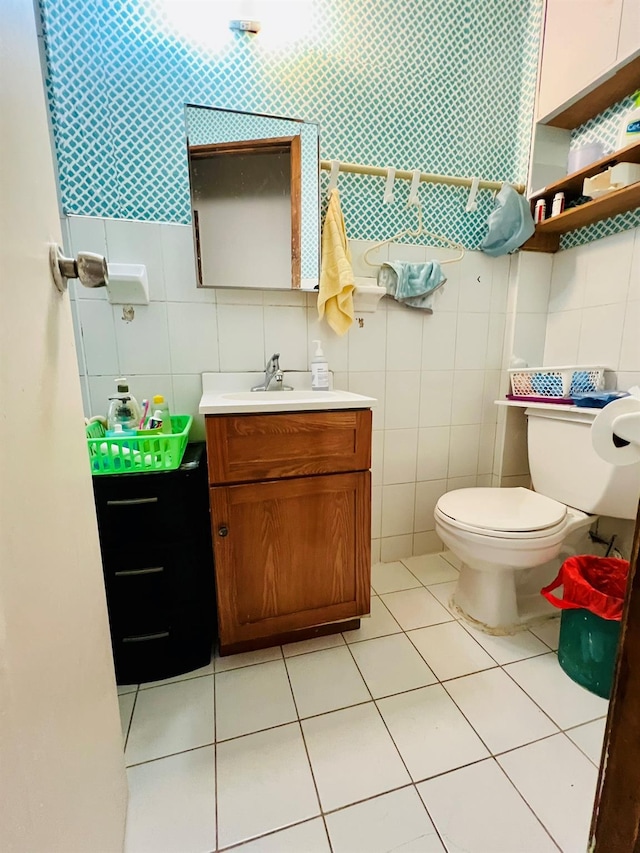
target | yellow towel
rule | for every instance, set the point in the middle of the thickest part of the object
(335, 297)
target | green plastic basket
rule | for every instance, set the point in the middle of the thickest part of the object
(149, 450)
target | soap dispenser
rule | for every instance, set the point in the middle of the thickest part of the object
(319, 370)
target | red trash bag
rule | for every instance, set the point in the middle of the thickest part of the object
(596, 584)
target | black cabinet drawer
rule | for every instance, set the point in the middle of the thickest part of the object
(184, 647)
(145, 588)
(150, 508)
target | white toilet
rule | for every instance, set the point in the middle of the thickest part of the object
(498, 533)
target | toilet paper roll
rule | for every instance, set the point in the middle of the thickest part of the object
(606, 443)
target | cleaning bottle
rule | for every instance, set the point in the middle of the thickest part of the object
(319, 370)
(630, 127)
(161, 413)
(123, 408)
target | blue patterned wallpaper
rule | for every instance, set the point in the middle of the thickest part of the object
(603, 128)
(441, 85)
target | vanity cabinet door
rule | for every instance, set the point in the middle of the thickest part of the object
(290, 554)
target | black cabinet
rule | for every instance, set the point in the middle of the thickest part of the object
(155, 538)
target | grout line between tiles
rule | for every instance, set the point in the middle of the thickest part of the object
(306, 750)
(530, 807)
(384, 723)
(271, 832)
(215, 756)
(170, 754)
(535, 702)
(150, 686)
(126, 739)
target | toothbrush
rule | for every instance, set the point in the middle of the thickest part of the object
(145, 411)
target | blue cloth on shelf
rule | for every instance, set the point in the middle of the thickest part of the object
(510, 224)
(412, 284)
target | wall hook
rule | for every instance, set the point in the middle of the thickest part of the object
(91, 269)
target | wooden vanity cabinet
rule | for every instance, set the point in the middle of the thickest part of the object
(290, 499)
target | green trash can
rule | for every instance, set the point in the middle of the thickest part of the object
(591, 603)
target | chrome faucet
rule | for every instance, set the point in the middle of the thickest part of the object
(273, 373)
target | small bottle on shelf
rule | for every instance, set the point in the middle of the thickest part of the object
(540, 211)
(558, 204)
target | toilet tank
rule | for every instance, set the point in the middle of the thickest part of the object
(564, 465)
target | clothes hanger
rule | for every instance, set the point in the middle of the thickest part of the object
(417, 232)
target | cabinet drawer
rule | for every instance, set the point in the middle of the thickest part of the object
(245, 448)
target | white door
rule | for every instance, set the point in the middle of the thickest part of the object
(63, 783)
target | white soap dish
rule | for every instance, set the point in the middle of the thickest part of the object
(367, 295)
(128, 284)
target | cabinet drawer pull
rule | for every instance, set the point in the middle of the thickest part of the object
(150, 571)
(142, 638)
(223, 531)
(133, 502)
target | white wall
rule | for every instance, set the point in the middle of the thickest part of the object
(436, 376)
(594, 318)
(594, 308)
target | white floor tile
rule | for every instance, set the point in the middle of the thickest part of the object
(253, 698)
(391, 665)
(430, 732)
(450, 651)
(450, 557)
(396, 821)
(195, 673)
(508, 649)
(549, 633)
(172, 804)
(316, 644)
(308, 837)
(246, 659)
(325, 681)
(443, 592)
(352, 756)
(477, 810)
(391, 577)
(559, 783)
(379, 624)
(171, 719)
(264, 784)
(431, 568)
(562, 699)
(589, 738)
(415, 608)
(500, 712)
(126, 702)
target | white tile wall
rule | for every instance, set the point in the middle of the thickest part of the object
(435, 376)
(593, 313)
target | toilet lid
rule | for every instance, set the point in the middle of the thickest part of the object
(516, 510)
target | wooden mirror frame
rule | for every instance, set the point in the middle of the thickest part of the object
(275, 145)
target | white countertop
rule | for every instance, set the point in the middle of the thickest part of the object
(230, 393)
(556, 407)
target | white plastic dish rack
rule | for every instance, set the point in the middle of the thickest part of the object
(556, 382)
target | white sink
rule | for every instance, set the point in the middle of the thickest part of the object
(254, 397)
(221, 395)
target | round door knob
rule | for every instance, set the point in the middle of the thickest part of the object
(223, 531)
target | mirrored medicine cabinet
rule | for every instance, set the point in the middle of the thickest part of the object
(255, 199)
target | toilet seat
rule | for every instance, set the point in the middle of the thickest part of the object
(514, 513)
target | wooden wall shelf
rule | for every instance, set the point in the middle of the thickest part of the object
(547, 236)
